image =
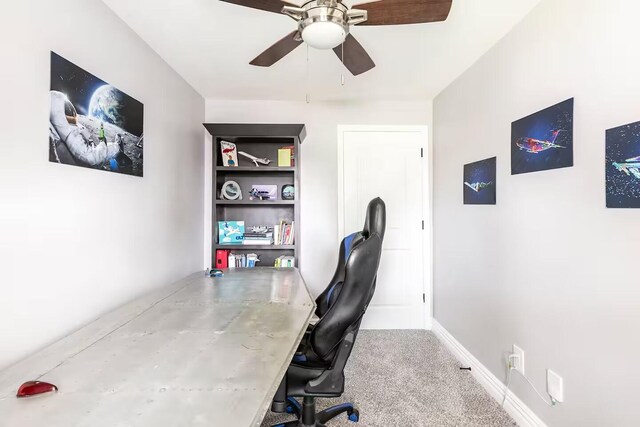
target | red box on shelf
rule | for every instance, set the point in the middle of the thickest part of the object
(222, 257)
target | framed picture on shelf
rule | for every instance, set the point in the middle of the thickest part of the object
(229, 153)
(288, 192)
(264, 192)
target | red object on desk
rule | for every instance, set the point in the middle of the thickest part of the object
(32, 388)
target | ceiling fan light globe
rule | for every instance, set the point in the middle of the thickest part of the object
(324, 35)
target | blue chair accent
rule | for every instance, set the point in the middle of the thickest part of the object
(348, 242)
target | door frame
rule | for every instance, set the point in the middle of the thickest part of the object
(427, 173)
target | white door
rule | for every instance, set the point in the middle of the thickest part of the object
(388, 162)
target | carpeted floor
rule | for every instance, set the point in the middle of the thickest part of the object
(409, 379)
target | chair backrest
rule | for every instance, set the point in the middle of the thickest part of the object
(350, 305)
(375, 222)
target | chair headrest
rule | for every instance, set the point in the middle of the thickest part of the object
(376, 219)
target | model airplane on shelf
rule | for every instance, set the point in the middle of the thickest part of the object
(477, 186)
(534, 146)
(630, 167)
(255, 159)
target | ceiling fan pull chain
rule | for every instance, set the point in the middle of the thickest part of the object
(342, 60)
(308, 96)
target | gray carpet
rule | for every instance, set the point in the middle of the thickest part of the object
(409, 379)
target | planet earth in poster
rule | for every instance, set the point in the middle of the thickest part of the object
(107, 104)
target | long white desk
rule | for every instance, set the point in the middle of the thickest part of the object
(201, 352)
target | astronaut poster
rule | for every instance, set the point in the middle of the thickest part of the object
(91, 123)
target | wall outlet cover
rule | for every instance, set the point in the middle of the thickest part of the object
(519, 361)
(555, 386)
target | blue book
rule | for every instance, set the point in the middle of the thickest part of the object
(230, 232)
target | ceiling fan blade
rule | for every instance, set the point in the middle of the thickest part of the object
(354, 3)
(268, 5)
(298, 3)
(278, 51)
(356, 59)
(395, 12)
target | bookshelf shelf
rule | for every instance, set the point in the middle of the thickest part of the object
(255, 202)
(258, 247)
(262, 141)
(253, 169)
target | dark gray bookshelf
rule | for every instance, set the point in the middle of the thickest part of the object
(260, 140)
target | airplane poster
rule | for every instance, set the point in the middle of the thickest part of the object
(479, 182)
(623, 166)
(91, 123)
(543, 140)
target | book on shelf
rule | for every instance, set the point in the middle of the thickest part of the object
(283, 233)
(258, 235)
(285, 262)
(242, 260)
(230, 232)
(286, 156)
(264, 242)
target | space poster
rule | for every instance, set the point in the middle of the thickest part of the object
(480, 182)
(623, 166)
(543, 140)
(92, 123)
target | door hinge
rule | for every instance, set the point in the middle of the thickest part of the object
(424, 298)
(422, 152)
(423, 224)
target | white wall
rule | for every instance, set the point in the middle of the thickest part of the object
(319, 171)
(77, 242)
(549, 268)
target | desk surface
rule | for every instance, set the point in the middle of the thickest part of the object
(199, 352)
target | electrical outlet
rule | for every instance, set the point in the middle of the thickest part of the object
(518, 362)
(555, 386)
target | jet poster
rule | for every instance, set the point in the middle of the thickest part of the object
(480, 182)
(623, 166)
(91, 123)
(543, 140)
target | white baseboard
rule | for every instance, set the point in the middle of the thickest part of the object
(428, 324)
(520, 412)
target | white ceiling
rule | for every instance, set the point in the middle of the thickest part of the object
(210, 43)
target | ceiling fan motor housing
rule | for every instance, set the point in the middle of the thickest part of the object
(324, 24)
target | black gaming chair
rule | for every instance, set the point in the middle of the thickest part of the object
(375, 222)
(317, 369)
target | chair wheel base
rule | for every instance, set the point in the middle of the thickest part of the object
(318, 419)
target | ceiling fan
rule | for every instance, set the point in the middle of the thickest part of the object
(325, 24)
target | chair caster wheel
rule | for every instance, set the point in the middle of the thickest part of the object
(354, 416)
